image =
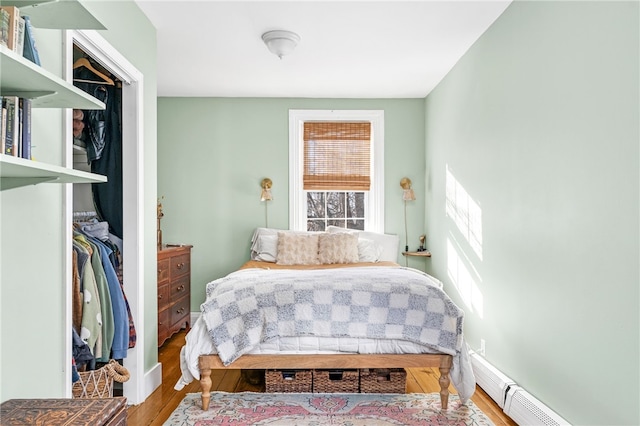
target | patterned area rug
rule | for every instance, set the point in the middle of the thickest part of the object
(248, 408)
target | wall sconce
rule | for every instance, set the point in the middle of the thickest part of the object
(407, 195)
(266, 196)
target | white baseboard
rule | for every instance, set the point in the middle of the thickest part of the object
(194, 317)
(152, 380)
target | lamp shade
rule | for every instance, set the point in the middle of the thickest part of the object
(280, 42)
(407, 191)
(265, 195)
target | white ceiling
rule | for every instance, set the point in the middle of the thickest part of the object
(348, 49)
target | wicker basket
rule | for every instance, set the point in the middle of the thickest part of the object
(99, 383)
(383, 380)
(288, 380)
(330, 381)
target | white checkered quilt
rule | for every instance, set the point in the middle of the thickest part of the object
(254, 305)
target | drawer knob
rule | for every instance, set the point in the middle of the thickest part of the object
(180, 265)
(179, 311)
(159, 296)
(180, 287)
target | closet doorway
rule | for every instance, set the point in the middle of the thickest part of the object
(127, 86)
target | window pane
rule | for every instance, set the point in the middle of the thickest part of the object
(315, 225)
(335, 222)
(355, 204)
(315, 205)
(332, 208)
(356, 224)
(335, 205)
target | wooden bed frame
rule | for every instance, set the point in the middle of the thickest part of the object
(341, 361)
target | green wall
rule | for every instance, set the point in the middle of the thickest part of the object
(537, 126)
(32, 226)
(213, 153)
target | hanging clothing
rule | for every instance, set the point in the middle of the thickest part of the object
(103, 136)
(91, 316)
(115, 244)
(106, 308)
(80, 351)
(120, 340)
(76, 296)
(107, 197)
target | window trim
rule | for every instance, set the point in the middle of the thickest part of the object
(374, 220)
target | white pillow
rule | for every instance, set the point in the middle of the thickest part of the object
(256, 242)
(388, 242)
(266, 249)
(297, 248)
(368, 250)
(337, 248)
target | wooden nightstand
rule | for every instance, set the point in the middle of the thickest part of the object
(408, 254)
(174, 290)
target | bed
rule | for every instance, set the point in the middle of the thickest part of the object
(323, 314)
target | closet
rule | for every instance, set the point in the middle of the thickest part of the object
(107, 142)
(97, 223)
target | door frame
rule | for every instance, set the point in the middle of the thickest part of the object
(140, 385)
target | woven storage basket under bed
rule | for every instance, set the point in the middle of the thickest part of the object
(288, 380)
(383, 380)
(99, 383)
(336, 381)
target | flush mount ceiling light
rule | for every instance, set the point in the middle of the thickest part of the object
(280, 42)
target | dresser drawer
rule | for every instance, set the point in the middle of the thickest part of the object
(179, 288)
(180, 311)
(163, 326)
(174, 290)
(164, 296)
(180, 265)
(164, 266)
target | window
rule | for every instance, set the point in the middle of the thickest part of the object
(336, 169)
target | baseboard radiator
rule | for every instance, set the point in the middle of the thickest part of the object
(525, 409)
(490, 379)
(522, 407)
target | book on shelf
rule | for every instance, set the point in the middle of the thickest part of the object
(15, 39)
(11, 128)
(17, 142)
(3, 136)
(30, 50)
(4, 27)
(25, 152)
(3, 120)
(19, 47)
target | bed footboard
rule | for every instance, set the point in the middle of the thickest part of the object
(342, 361)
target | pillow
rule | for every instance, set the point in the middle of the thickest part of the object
(368, 250)
(389, 242)
(256, 240)
(296, 248)
(337, 248)
(266, 248)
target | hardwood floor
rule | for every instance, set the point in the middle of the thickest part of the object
(161, 403)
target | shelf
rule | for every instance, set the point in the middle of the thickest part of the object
(21, 77)
(16, 172)
(417, 253)
(57, 14)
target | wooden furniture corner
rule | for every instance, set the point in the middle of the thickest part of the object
(174, 290)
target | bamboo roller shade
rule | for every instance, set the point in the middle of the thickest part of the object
(337, 156)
